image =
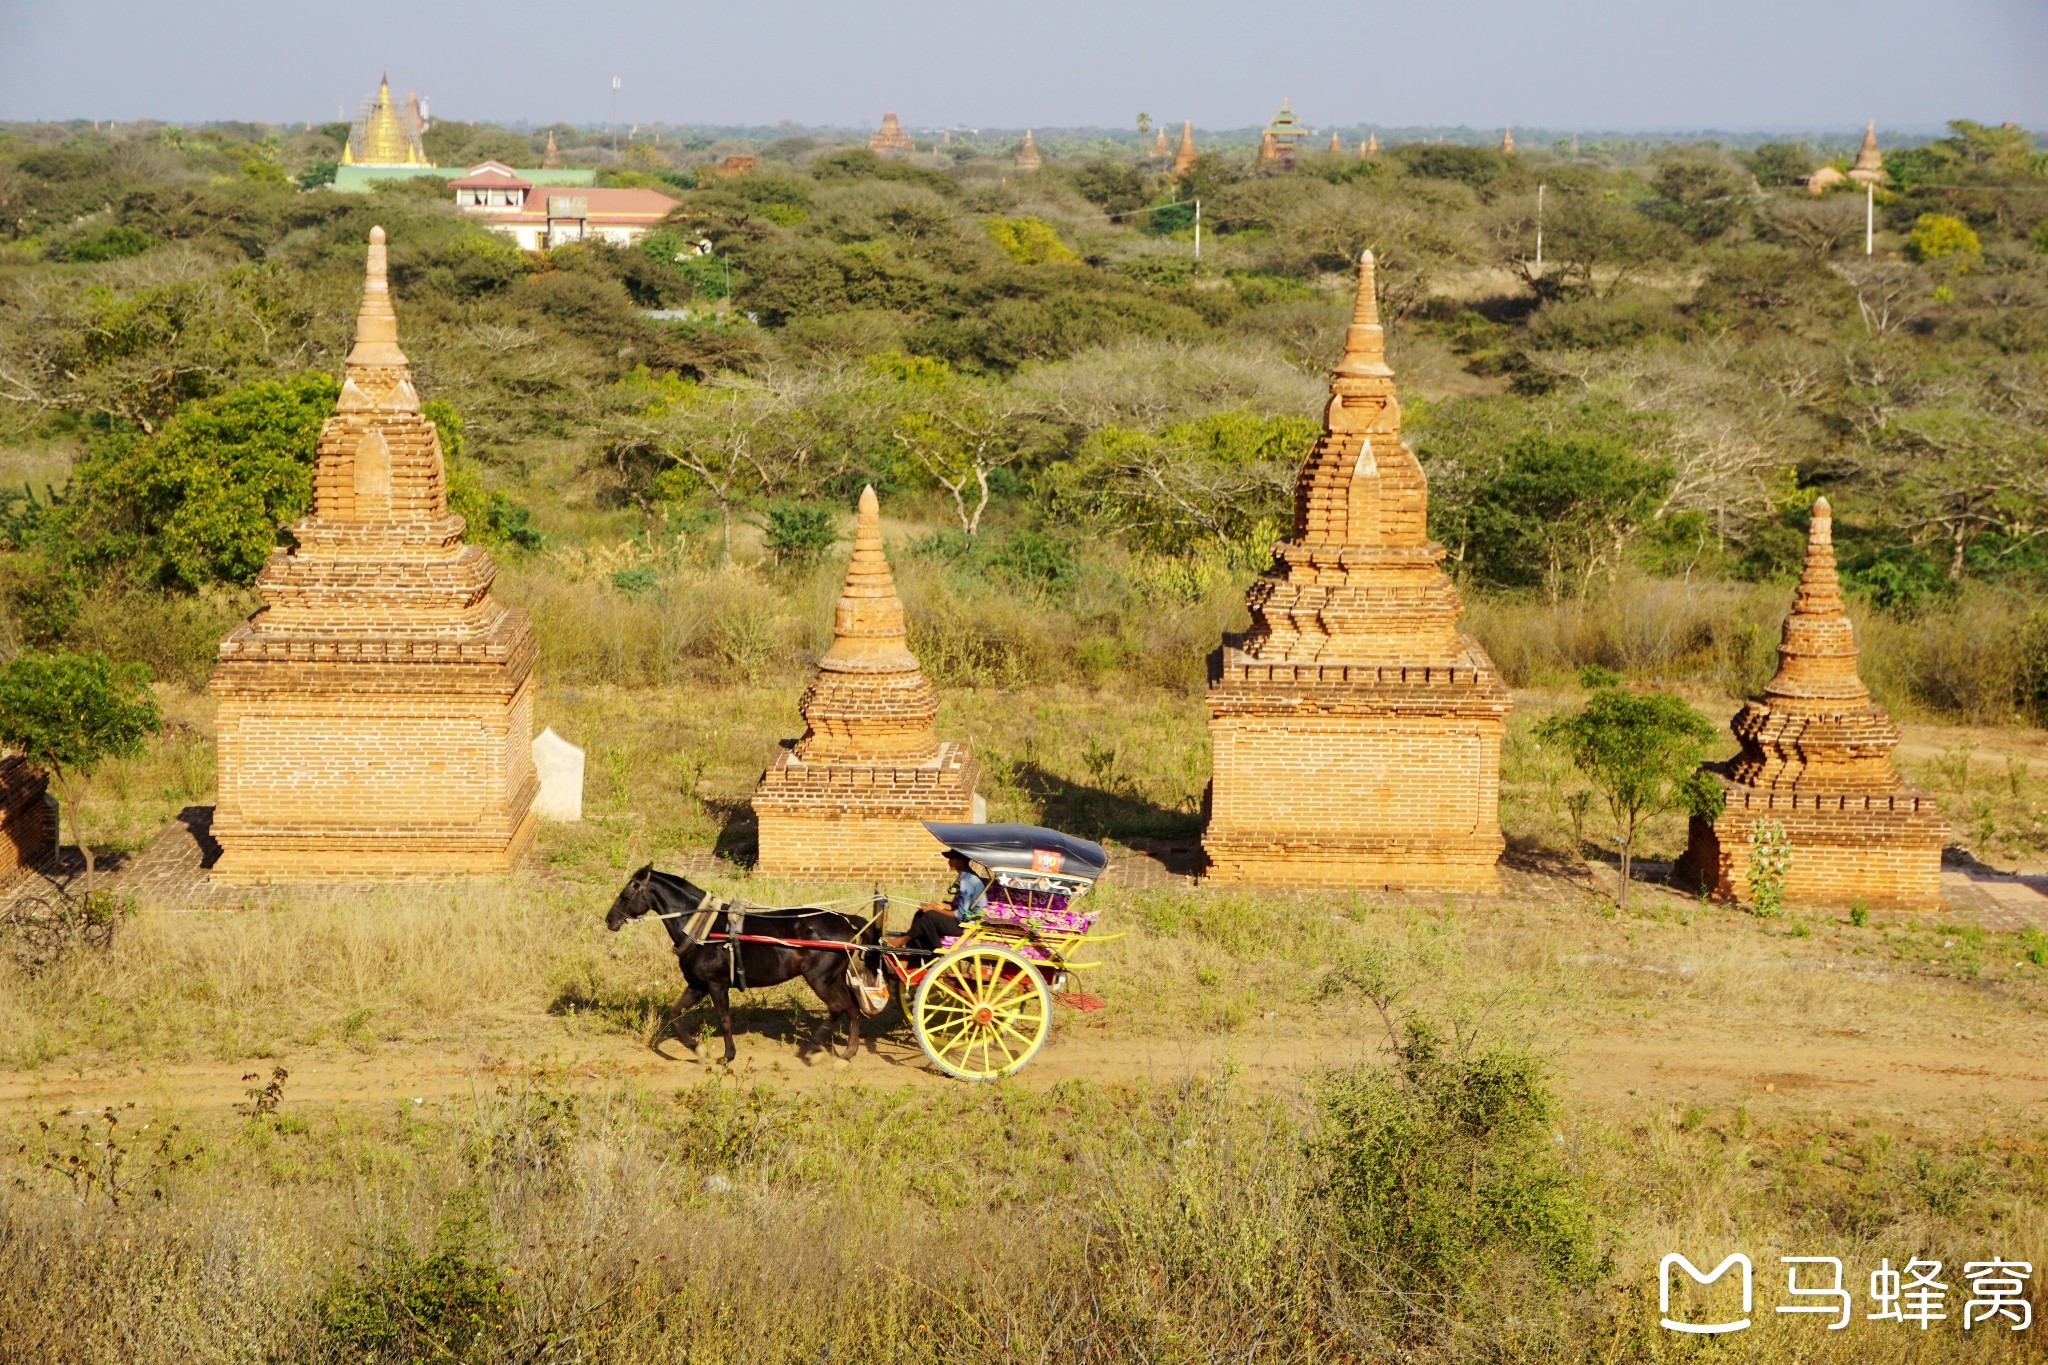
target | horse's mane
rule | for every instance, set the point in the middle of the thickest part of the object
(668, 886)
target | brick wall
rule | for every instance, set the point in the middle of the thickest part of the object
(28, 819)
(1883, 849)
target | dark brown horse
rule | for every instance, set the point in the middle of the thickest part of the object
(713, 969)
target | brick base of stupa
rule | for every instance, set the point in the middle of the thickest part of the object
(399, 760)
(28, 819)
(1355, 776)
(854, 822)
(1882, 849)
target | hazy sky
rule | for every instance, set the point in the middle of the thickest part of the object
(1612, 64)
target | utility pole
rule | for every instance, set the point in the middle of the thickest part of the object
(1869, 219)
(615, 116)
(1198, 229)
(1539, 227)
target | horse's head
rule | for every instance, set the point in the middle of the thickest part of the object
(635, 899)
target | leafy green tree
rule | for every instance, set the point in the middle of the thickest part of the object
(1593, 244)
(68, 713)
(959, 429)
(1226, 478)
(798, 534)
(1779, 164)
(1029, 241)
(1559, 509)
(1642, 753)
(1701, 193)
(202, 500)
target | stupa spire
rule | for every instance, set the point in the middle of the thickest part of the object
(1817, 650)
(1336, 143)
(1372, 145)
(1184, 157)
(551, 158)
(1159, 142)
(1507, 142)
(376, 321)
(1028, 157)
(1365, 341)
(1869, 166)
(870, 700)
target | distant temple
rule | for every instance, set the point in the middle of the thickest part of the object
(1277, 144)
(1869, 167)
(1159, 143)
(1184, 158)
(1372, 145)
(1507, 142)
(551, 159)
(383, 136)
(1336, 143)
(1028, 158)
(891, 137)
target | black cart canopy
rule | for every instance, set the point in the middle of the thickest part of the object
(1023, 848)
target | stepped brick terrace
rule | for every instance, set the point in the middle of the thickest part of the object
(376, 715)
(846, 799)
(1816, 758)
(1355, 733)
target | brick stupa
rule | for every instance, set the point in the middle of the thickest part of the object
(1355, 733)
(1869, 167)
(376, 717)
(1159, 144)
(847, 799)
(28, 819)
(1816, 757)
(1372, 145)
(891, 137)
(1184, 155)
(1028, 158)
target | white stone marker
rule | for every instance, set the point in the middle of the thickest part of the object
(559, 765)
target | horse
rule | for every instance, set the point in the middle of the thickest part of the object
(711, 971)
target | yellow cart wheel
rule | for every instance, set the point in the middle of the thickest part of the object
(981, 1012)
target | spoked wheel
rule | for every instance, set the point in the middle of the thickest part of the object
(981, 1012)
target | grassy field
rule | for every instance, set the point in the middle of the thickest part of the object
(479, 1148)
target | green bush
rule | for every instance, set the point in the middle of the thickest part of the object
(1936, 236)
(1446, 1165)
(1029, 241)
(798, 534)
(108, 244)
(398, 1305)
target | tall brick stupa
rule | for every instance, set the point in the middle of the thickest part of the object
(1816, 757)
(1355, 733)
(890, 137)
(846, 800)
(376, 715)
(1184, 155)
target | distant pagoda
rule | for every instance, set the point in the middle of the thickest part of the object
(1816, 759)
(1282, 136)
(1372, 145)
(891, 137)
(1356, 733)
(1869, 167)
(551, 159)
(1184, 157)
(1159, 144)
(385, 135)
(1507, 142)
(1336, 144)
(1028, 158)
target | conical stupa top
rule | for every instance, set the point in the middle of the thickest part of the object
(1817, 652)
(1365, 341)
(1269, 150)
(376, 321)
(1372, 144)
(551, 159)
(1184, 157)
(1336, 143)
(1028, 157)
(1507, 142)
(1159, 142)
(1868, 158)
(867, 626)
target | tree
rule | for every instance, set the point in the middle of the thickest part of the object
(1815, 225)
(1642, 752)
(1561, 508)
(958, 429)
(68, 713)
(1592, 244)
(1938, 235)
(1226, 478)
(1779, 164)
(1703, 194)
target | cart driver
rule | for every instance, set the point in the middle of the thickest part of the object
(937, 921)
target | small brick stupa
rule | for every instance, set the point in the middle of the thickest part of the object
(1816, 757)
(1507, 142)
(28, 818)
(891, 137)
(847, 799)
(1184, 156)
(1355, 733)
(1028, 158)
(1372, 145)
(1159, 144)
(1869, 167)
(376, 717)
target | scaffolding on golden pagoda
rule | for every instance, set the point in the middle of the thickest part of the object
(383, 134)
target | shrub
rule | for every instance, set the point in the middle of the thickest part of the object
(401, 1305)
(1443, 1166)
(109, 244)
(1029, 241)
(1937, 236)
(798, 534)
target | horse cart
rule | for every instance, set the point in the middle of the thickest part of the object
(981, 1006)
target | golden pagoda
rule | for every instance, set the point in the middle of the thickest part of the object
(382, 137)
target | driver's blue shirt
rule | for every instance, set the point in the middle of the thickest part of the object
(967, 897)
